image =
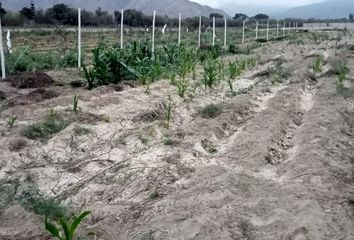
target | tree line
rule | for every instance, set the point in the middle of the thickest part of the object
(62, 14)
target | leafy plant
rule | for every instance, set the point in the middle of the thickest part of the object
(341, 72)
(211, 73)
(53, 123)
(90, 75)
(210, 111)
(182, 87)
(11, 121)
(33, 200)
(76, 107)
(168, 111)
(234, 70)
(66, 229)
(317, 65)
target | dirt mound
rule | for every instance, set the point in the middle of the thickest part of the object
(2, 95)
(30, 80)
(35, 96)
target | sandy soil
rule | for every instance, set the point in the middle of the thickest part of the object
(281, 165)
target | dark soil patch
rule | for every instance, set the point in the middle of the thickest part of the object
(2, 95)
(30, 80)
(35, 96)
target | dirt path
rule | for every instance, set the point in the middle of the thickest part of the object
(281, 165)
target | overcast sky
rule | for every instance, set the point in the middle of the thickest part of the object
(255, 6)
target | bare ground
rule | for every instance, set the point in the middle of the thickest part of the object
(281, 165)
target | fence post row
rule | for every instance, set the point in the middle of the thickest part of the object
(243, 32)
(295, 26)
(200, 31)
(179, 28)
(2, 55)
(267, 30)
(214, 36)
(121, 28)
(79, 40)
(277, 28)
(225, 33)
(153, 32)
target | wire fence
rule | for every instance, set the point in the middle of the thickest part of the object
(83, 39)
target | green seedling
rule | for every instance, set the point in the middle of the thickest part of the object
(67, 229)
(76, 107)
(11, 121)
(317, 65)
(168, 111)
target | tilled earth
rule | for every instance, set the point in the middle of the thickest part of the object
(275, 164)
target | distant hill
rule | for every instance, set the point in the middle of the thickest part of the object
(163, 7)
(324, 10)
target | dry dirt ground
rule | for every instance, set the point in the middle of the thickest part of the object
(277, 163)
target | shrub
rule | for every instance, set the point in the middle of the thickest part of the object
(36, 202)
(52, 124)
(210, 111)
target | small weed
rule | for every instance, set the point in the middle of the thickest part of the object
(210, 111)
(341, 72)
(209, 146)
(80, 131)
(52, 124)
(147, 236)
(153, 194)
(68, 229)
(279, 74)
(143, 140)
(76, 107)
(168, 111)
(168, 142)
(317, 65)
(36, 202)
(11, 121)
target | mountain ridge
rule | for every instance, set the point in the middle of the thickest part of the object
(331, 9)
(170, 8)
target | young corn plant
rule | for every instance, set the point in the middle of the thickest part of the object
(211, 73)
(233, 73)
(168, 111)
(221, 70)
(317, 65)
(67, 229)
(11, 121)
(182, 87)
(341, 72)
(76, 107)
(90, 75)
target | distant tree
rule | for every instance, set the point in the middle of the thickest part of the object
(351, 16)
(59, 12)
(240, 16)
(216, 15)
(29, 12)
(33, 8)
(2, 10)
(261, 16)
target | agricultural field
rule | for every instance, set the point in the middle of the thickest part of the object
(254, 141)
